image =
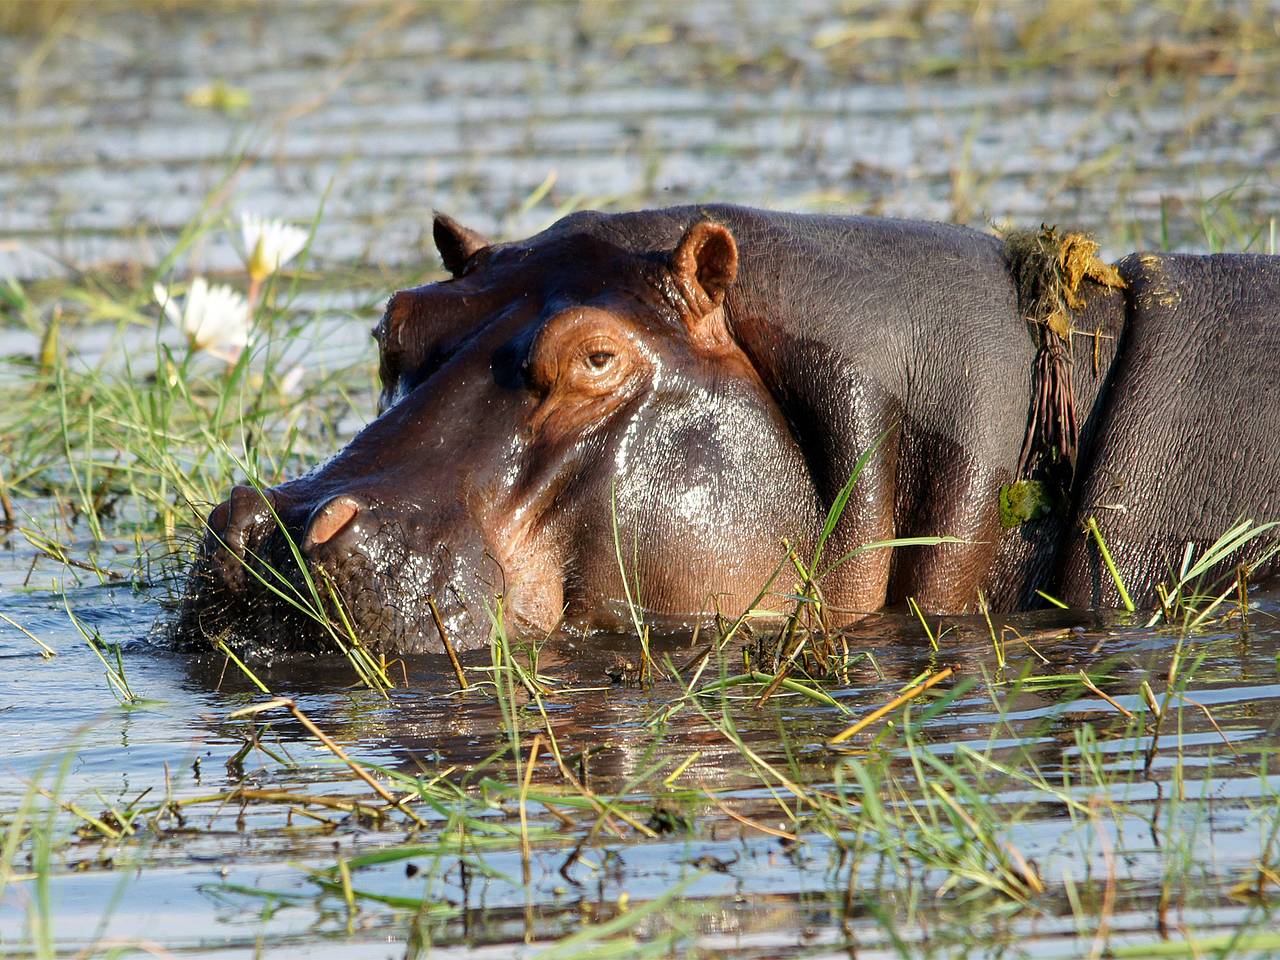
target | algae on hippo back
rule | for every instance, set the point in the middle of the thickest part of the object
(754, 357)
(1049, 272)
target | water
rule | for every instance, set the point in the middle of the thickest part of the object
(1118, 122)
(235, 874)
(1124, 126)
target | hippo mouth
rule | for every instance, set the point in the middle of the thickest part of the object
(270, 575)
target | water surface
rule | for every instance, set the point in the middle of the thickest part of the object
(1149, 125)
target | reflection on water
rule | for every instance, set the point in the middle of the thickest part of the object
(1175, 832)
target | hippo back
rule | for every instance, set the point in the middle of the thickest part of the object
(1189, 441)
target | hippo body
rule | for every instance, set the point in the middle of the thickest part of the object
(1188, 432)
(703, 381)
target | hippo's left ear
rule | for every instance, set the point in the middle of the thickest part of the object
(456, 243)
(705, 264)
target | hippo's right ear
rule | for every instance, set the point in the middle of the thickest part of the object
(456, 243)
(705, 264)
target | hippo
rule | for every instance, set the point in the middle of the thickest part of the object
(645, 413)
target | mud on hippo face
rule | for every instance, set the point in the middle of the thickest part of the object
(545, 390)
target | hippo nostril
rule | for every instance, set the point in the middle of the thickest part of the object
(237, 527)
(246, 509)
(331, 519)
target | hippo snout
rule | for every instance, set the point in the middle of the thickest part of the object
(237, 528)
(276, 564)
(254, 532)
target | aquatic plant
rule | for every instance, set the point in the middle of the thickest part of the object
(267, 246)
(214, 317)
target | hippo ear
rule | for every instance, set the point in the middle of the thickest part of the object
(705, 263)
(455, 242)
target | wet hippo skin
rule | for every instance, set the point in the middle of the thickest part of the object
(705, 379)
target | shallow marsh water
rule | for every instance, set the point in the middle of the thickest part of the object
(1176, 849)
(1120, 118)
(1148, 124)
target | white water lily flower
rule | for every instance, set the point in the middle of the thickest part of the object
(215, 318)
(269, 244)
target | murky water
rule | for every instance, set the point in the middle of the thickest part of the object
(1129, 127)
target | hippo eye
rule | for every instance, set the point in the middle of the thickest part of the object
(593, 365)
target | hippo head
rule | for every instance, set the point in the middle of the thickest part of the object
(559, 411)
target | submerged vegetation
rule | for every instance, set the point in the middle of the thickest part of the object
(1059, 783)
